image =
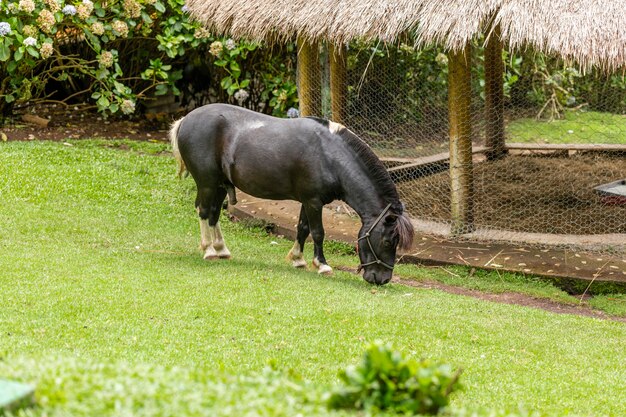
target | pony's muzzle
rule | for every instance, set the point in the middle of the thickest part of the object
(377, 277)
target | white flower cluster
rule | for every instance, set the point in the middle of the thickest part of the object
(293, 113)
(5, 29)
(216, 48)
(84, 9)
(127, 106)
(241, 96)
(53, 5)
(46, 50)
(30, 41)
(46, 20)
(230, 44)
(27, 6)
(120, 27)
(97, 28)
(30, 30)
(201, 33)
(106, 59)
(132, 8)
(69, 10)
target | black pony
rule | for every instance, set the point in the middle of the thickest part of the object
(309, 160)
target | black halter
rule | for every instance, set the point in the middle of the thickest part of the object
(366, 236)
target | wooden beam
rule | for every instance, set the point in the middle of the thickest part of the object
(461, 166)
(599, 147)
(309, 79)
(494, 97)
(338, 82)
(428, 165)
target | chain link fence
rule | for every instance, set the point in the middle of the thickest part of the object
(562, 179)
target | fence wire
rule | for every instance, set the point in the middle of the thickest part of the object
(562, 180)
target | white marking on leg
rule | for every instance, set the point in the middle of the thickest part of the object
(297, 257)
(210, 253)
(335, 127)
(322, 268)
(218, 243)
(205, 237)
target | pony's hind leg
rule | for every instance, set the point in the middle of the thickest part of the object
(219, 246)
(211, 239)
(296, 252)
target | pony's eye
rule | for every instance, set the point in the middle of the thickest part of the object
(387, 244)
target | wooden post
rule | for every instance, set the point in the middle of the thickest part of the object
(309, 79)
(494, 97)
(338, 82)
(461, 169)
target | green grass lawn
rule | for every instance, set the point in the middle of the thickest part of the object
(573, 127)
(108, 308)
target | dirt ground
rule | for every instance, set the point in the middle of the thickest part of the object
(74, 122)
(537, 194)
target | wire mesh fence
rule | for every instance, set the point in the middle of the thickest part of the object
(561, 181)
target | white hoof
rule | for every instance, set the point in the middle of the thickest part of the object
(210, 254)
(324, 270)
(296, 257)
(299, 263)
(223, 253)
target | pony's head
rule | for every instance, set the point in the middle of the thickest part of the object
(378, 242)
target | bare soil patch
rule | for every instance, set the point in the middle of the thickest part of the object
(76, 122)
(537, 194)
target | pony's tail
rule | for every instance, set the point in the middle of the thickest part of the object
(174, 141)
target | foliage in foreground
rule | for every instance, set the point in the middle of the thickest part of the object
(387, 380)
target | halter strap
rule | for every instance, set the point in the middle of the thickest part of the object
(366, 236)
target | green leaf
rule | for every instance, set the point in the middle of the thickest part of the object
(102, 73)
(18, 54)
(235, 66)
(160, 90)
(244, 83)
(226, 82)
(103, 102)
(5, 52)
(9, 98)
(159, 7)
(221, 62)
(32, 51)
(146, 17)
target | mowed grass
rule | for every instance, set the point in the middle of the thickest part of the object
(108, 309)
(573, 127)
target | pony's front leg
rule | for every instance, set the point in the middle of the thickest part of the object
(296, 253)
(314, 214)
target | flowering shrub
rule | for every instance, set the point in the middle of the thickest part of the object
(118, 53)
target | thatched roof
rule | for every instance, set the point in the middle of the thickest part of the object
(593, 32)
